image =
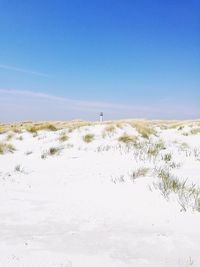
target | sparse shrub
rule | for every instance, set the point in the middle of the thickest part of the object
(1, 129)
(188, 195)
(146, 132)
(54, 150)
(109, 128)
(32, 129)
(63, 137)
(88, 138)
(35, 134)
(43, 126)
(120, 179)
(180, 128)
(50, 127)
(195, 131)
(103, 148)
(18, 168)
(184, 146)
(28, 153)
(16, 130)
(77, 124)
(20, 138)
(9, 136)
(51, 152)
(140, 172)
(43, 156)
(174, 165)
(4, 148)
(168, 183)
(167, 157)
(68, 146)
(143, 128)
(153, 151)
(125, 138)
(155, 148)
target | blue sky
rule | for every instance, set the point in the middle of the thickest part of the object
(72, 59)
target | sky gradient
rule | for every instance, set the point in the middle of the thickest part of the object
(73, 59)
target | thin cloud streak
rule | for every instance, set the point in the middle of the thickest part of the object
(6, 67)
(83, 104)
(29, 105)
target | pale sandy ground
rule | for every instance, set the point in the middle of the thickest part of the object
(81, 208)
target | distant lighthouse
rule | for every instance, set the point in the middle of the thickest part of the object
(101, 117)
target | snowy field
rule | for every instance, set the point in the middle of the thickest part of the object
(113, 194)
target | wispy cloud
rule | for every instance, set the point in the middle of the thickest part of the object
(29, 105)
(91, 105)
(12, 68)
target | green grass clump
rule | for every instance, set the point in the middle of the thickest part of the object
(167, 157)
(195, 131)
(63, 137)
(140, 172)
(9, 136)
(6, 147)
(188, 195)
(88, 138)
(51, 152)
(110, 128)
(32, 129)
(125, 138)
(16, 130)
(168, 183)
(50, 127)
(143, 128)
(54, 150)
(146, 132)
(39, 127)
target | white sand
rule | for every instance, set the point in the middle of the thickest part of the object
(81, 208)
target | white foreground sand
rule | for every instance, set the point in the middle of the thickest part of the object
(83, 207)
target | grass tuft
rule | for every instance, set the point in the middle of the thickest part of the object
(63, 137)
(140, 172)
(125, 138)
(88, 138)
(195, 131)
(6, 147)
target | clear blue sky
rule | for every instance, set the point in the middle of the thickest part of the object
(140, 55)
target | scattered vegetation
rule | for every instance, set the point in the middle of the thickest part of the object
(146, 132)
(16, 130)
(20, 138)
(51, 152)
(188, 195)
(6, 147)
(39, 127)
(125, 138)
(155, 148)
(143, 128)
(140, 172)
(195, 131)
(77, 124)
(88, 138)
(28, 153)
(9, 136)
(109, 130)
(32, 129)
(63, 137)
(54, 150)
(167, 157)
(18, 168)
